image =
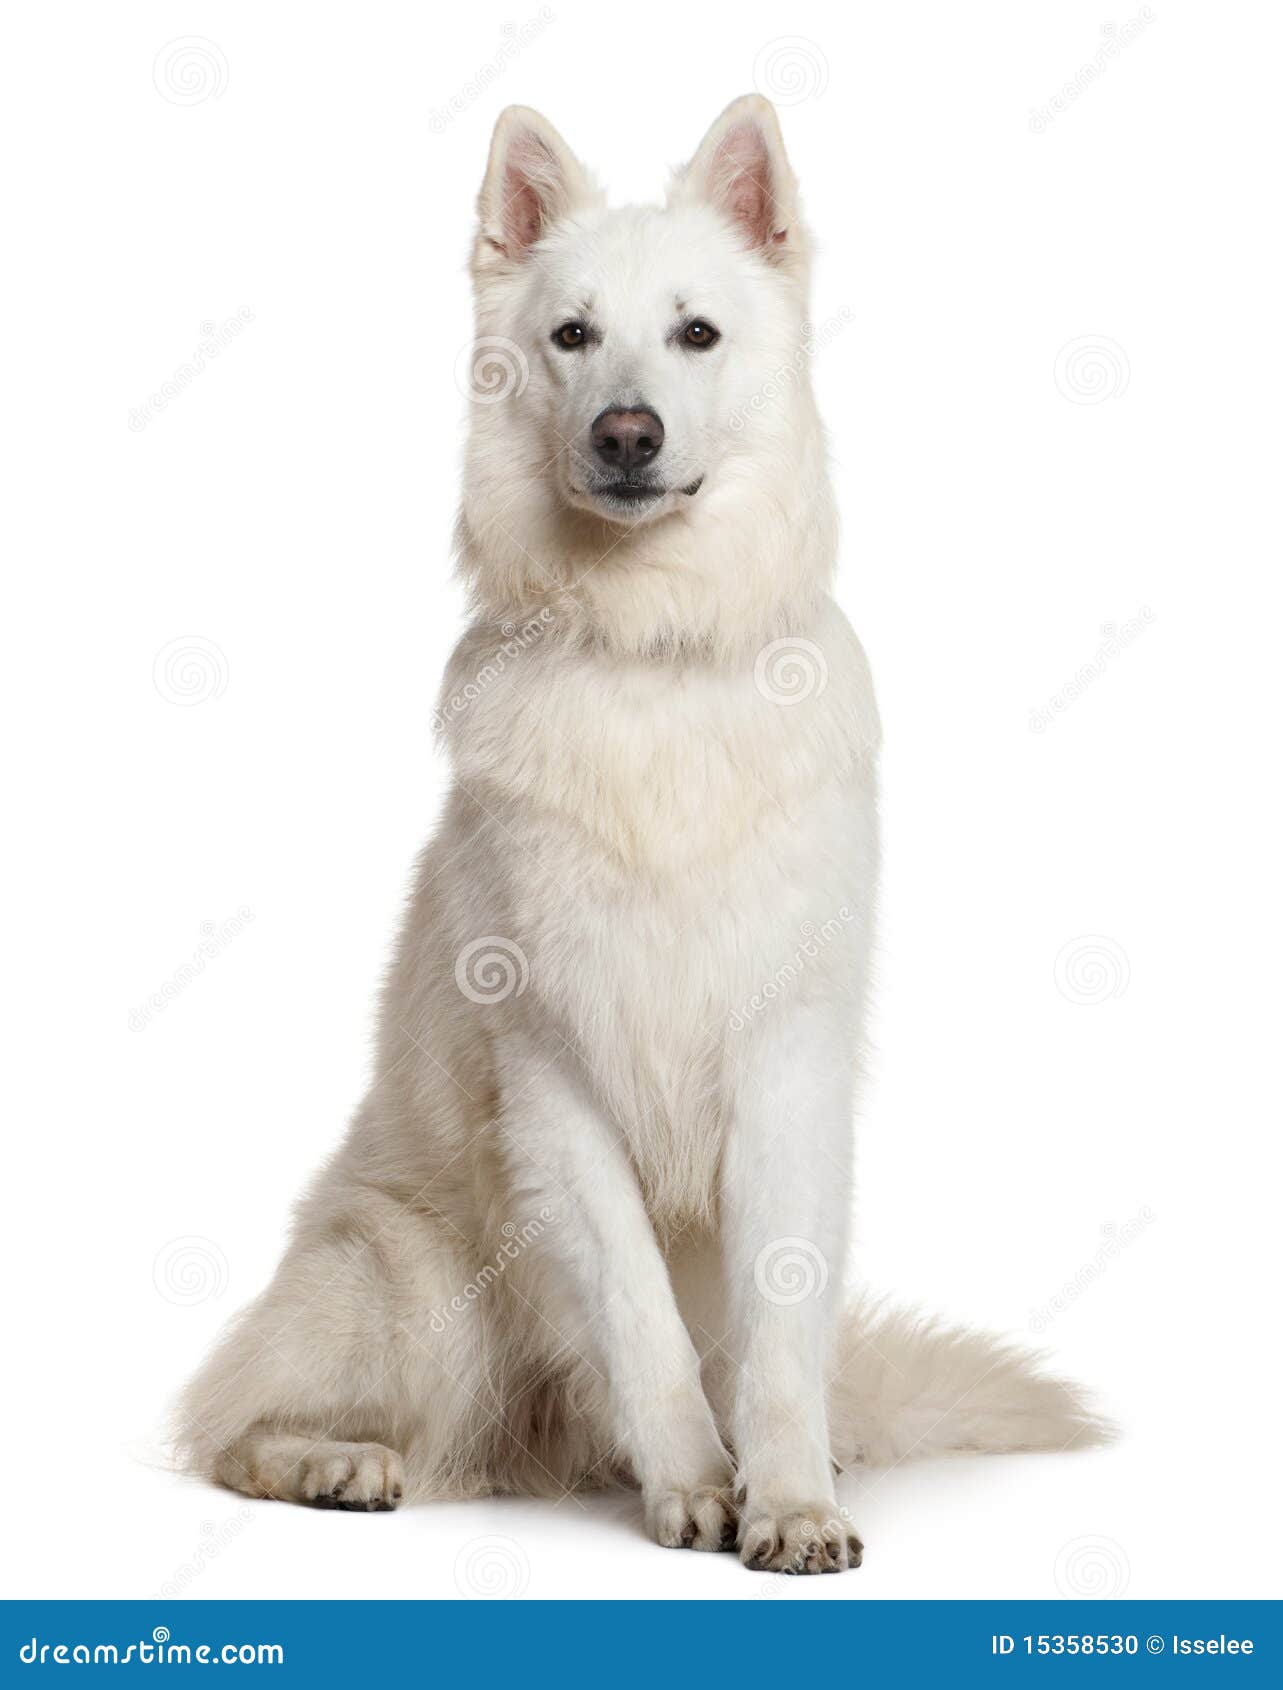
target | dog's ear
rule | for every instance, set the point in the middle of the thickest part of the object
(741, 168)
(532, 180)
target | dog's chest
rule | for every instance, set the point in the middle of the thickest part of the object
(666, 847)
(658, 770)
(661, 981)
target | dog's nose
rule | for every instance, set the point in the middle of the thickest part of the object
(627, 440)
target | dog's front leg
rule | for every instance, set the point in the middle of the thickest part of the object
(786, 1199)
(563, 1153)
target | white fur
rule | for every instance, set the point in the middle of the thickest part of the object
(589, 1225)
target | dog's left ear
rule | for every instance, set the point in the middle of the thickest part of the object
(741, 168)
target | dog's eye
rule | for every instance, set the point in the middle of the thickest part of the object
(570, 335)
(700, 334)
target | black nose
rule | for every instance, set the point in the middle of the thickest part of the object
(627, 440)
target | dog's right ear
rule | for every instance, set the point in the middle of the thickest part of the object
(532, 181)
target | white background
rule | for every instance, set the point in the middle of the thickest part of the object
(289, 515)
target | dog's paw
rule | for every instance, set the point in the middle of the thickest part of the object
(359, 1477)
(703, 1518)
(798, 1539)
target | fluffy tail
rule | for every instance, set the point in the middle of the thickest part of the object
(905, 1385)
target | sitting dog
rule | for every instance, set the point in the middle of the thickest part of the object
(589, 1226)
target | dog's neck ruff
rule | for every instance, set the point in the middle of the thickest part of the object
(718, 578)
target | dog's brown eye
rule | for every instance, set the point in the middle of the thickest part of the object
(570, 335)
(700, 334)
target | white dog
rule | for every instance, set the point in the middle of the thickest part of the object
(589, 1226)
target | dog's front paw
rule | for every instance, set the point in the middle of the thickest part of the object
(703, 1518)
(799, 1539)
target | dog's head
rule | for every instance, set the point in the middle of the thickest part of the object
(621, 356)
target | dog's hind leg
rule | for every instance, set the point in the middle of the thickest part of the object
(296, 1467)
(344, 1385)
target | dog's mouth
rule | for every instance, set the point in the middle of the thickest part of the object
(630, 492)
(624, 495)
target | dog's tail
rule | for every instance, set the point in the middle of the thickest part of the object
(906, 1385)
